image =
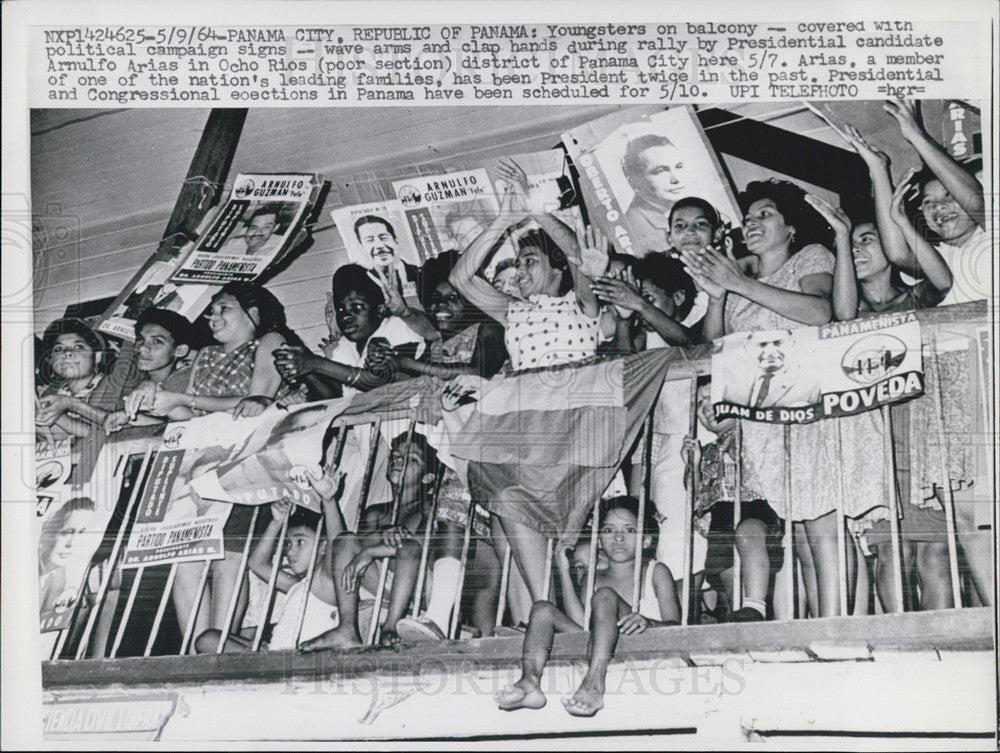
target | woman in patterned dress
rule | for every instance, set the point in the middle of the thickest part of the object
(237, 374)
(553, 321)
(788, 283)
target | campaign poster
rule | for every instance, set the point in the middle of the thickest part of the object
(447, 211)
(276, 459)
(173, 522)
(256, 226)
(810, 373)
(71, 521)
(377, 234)
(153, 288)
(634, 165)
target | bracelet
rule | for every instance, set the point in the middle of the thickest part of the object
(191, 402)
(355, 376)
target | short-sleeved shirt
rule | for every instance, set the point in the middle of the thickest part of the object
(216, 373)
(970, 268)
(744, 315)
(393, 329)
(549, 330)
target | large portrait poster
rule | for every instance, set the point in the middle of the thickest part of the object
(71, 521)
(377, 234)
(806, 374)
(636, 164)
(256, 226)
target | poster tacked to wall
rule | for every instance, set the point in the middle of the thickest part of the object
(256, 227)
(636, 164)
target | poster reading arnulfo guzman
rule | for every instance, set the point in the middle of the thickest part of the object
(256, 225)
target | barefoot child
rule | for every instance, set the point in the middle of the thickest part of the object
(321, 609)
(355, 555)
(611, 614)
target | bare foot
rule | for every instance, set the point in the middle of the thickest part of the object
(584, 702)
(336, 639)
(389, 638)
(520, 695)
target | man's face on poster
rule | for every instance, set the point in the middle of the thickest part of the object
(771, 356)
(378, 241)
(659, 176)
(259, 231)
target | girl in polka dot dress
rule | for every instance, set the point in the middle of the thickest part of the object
(554, 319)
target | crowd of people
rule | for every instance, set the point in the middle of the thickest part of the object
(796, 260)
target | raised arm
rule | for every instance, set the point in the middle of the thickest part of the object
(587, 254)
(261, 559)
(964, 187)
(929, 262)
(894, 245)
(464, 274)
(845, 281)
(417, 321)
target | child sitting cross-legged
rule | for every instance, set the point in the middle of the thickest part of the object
(611, 612)
(300, 539)
(383, 535)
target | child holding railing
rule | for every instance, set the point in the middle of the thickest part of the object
(299, 547)
(612, 612)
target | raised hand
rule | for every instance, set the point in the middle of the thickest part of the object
(328, 343)
(329, 486)
(865, 150)
(390, 290)
(592, 258)
(904, 190)
(906, 112)
(517, 183)
(281, 509)
(836, 216)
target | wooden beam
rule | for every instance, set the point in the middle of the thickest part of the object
(204, 183)
(802, 158)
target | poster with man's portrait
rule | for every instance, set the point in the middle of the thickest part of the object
(377, 234)
(257, 225)
(153, 288)
(447, 211)
(636, 164)
(806, 374)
